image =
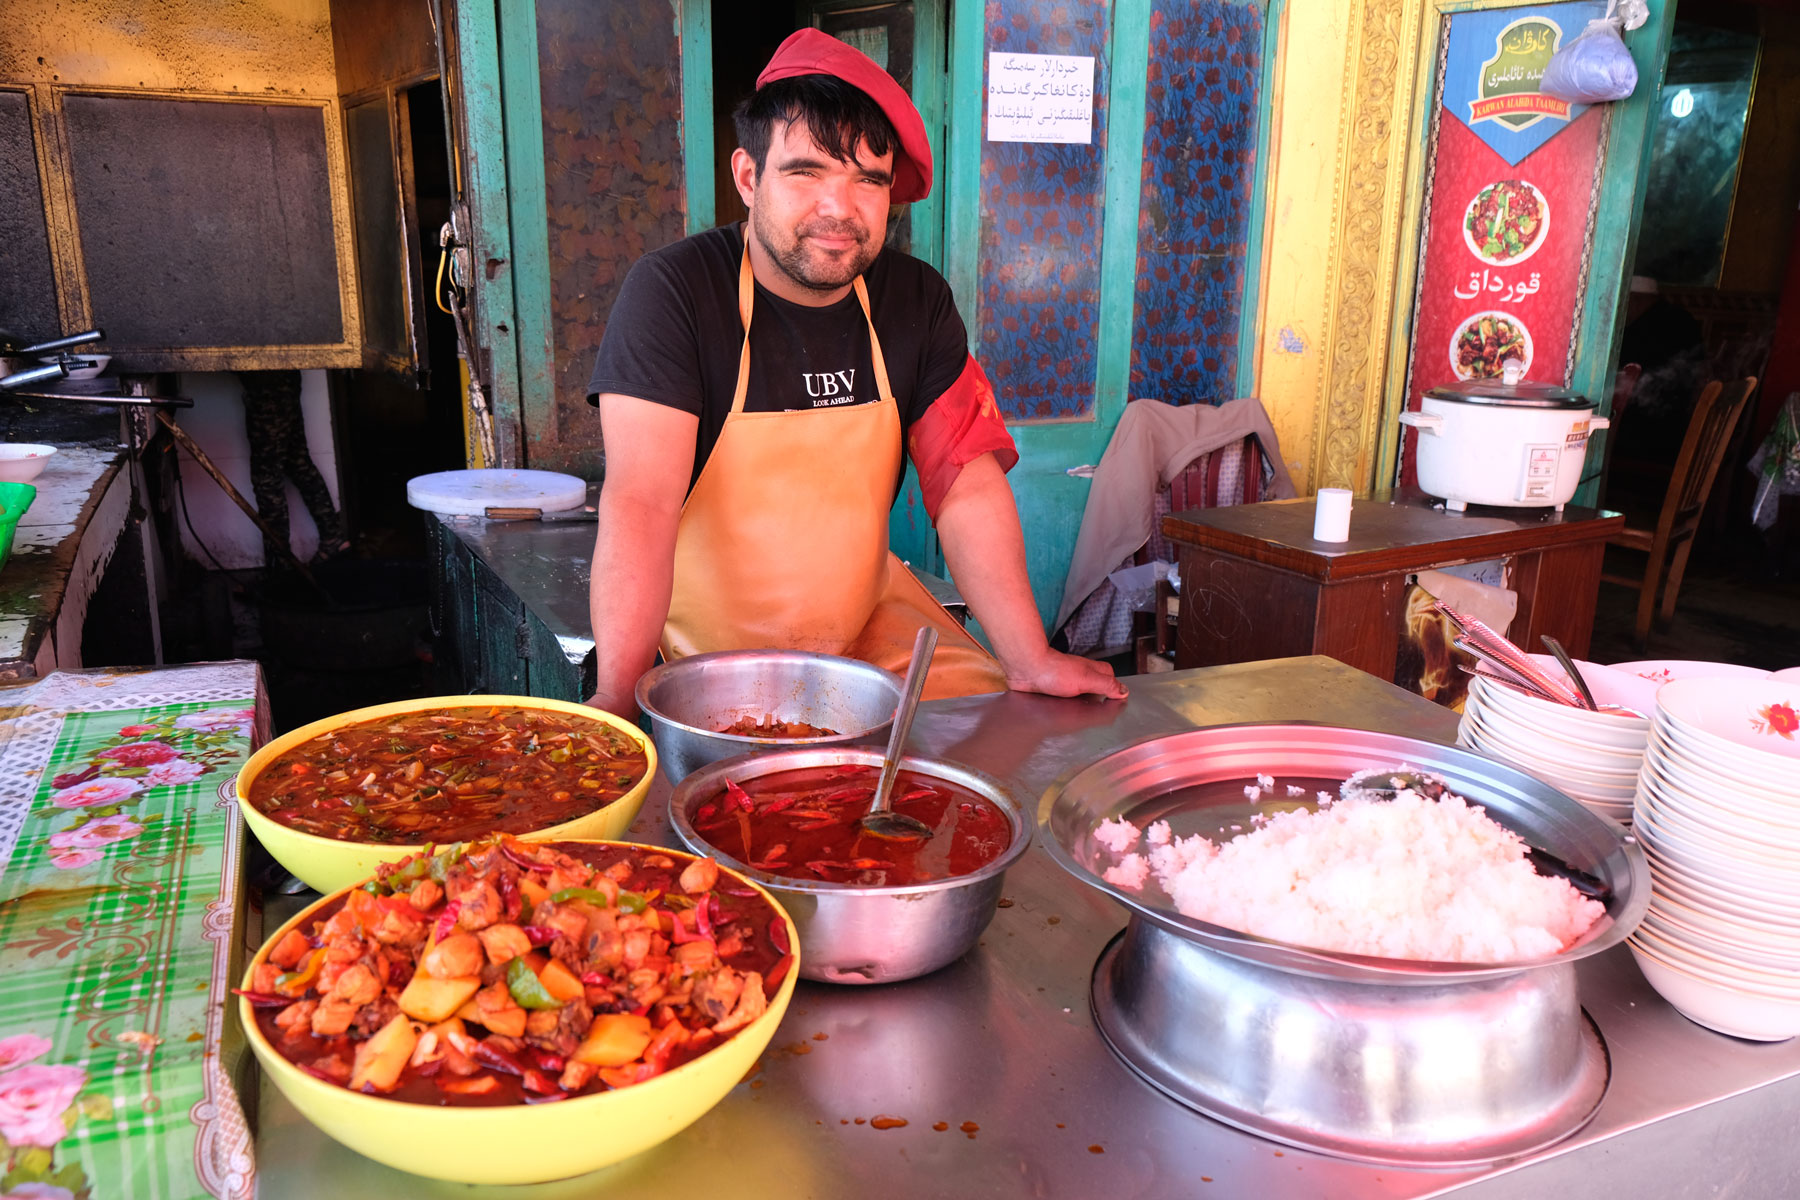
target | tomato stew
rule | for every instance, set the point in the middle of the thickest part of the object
(803, 824)
(769, 727)
(449, 774)
(508, 972)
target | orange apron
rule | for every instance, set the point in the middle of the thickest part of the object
(783, 540)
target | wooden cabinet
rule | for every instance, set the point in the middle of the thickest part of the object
(1255, 585)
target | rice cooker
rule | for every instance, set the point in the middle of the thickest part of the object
(1502, 442)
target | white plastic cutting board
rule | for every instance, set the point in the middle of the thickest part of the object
(472, 493)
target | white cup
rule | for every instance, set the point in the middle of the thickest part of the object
(1331, 516)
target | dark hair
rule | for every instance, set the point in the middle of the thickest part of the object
(838, 115)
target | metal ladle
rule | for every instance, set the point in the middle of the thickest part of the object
(881, 820)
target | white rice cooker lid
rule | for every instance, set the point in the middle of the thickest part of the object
(1510, 395)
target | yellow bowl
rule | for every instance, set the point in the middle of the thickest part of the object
(327, 864)
(551, 1141)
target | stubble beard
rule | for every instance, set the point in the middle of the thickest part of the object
(812, 270)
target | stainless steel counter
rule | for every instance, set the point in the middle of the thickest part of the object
(1003, 1039)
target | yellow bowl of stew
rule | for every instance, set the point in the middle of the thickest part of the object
(327, 862)
(524, 1143)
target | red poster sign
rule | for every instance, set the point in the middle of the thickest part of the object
(1501, 275)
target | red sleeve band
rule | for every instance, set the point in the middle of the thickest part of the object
(960, 426)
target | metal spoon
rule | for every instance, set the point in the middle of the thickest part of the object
(1379, 783)
(1568, 665)
(881, 820)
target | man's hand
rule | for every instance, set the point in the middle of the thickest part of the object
(978, 524)
(1058, 674)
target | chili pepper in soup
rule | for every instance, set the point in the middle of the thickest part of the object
(509, 972)
(447, 775)
(805, 824)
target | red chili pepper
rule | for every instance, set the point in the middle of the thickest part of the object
(778, 935)
(427, 1070)
(537, 1081)
(871, 864)
(683, 935)
(500, 1060)
(595, 979)
(703, 917)
(739, 796)
(778, 972)
(546, 1061)
(519, 858)
(511, 903)
(447, 919)
(771, 866)
(539, 935)
(706, 813)
(815, 826)
(264, 999)
(779, 804)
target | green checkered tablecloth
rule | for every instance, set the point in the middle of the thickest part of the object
(119, 879)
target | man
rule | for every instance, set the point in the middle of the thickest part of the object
(756, 387)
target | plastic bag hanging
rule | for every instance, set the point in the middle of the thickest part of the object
(1596, 67)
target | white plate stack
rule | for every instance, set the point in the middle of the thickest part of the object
(1718, 814)
(1592, 756)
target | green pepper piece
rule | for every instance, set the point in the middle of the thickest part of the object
(633, 902)
(591, 895)
(527, 989)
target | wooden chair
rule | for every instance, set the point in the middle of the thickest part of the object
(1624, 388)
(1204, 483)
(1702, 450)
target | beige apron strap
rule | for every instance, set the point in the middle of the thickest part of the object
(883, 389)
(747, 299)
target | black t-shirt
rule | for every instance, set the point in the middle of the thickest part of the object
(674, 336)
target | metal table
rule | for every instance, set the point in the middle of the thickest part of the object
(1004, 1040)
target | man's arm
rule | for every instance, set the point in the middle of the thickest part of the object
(649, 457)
(984, 548)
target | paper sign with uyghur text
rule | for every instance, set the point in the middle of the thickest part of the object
(1040, 98)
(1511, 196)
(1494, 64)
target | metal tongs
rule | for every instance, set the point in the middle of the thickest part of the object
(51, 370)
(1504, 663)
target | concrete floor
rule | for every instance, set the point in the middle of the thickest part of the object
(1729, 610)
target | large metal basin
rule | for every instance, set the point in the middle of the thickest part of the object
(852, 934)
(1388, 1060)
(689, 699)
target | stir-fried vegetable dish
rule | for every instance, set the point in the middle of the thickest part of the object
(804, 824)
(1506, 220)
(448, 775)
(503, 972)
(770, 727)
(1485, 344)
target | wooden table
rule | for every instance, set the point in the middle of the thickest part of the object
(1255, 585)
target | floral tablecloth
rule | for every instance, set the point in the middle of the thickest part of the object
(119, 877)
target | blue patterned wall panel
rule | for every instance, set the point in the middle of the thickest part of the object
(1041, 209)
(1200, 128)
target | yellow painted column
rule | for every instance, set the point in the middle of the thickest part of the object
(1346, 85)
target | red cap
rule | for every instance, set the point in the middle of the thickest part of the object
(814, 52)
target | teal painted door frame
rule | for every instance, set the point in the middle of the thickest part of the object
(1050, 499)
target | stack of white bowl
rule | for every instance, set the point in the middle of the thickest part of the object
(1591, 756)
(1718, 814)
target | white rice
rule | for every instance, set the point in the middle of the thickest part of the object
(1117, 836)
(1158, 834)
(1131, 872)
(1408, 878)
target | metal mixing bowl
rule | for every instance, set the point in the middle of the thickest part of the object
(690, 699)
(851, 934)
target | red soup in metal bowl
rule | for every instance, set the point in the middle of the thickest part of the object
(804, 824)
